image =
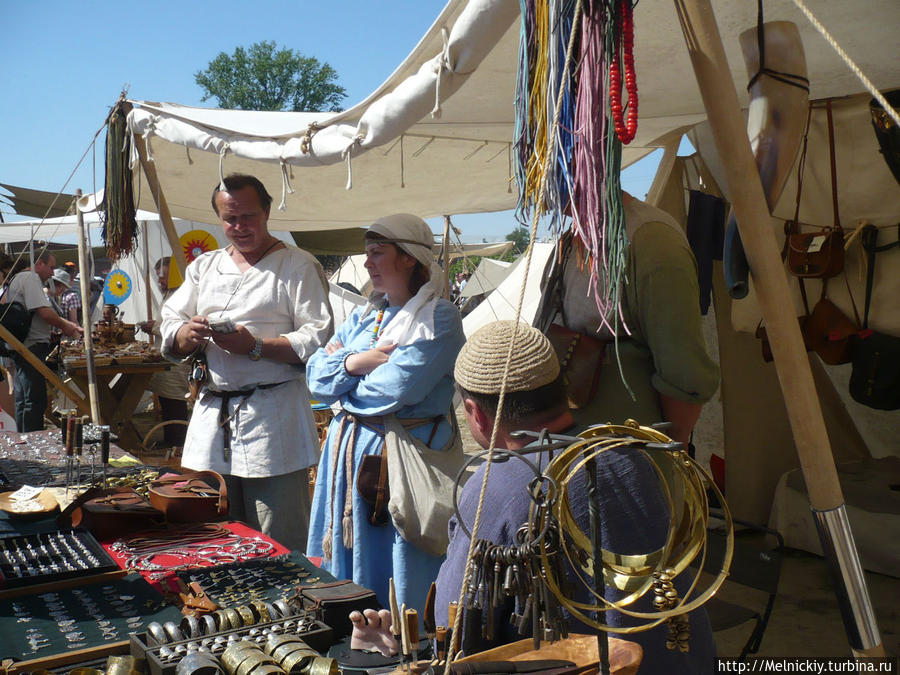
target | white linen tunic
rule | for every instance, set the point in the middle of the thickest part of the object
(273, 430)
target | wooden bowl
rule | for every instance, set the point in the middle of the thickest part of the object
(44, 504)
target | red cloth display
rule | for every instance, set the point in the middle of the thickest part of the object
(164, 580)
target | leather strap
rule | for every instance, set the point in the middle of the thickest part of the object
(224, 418)
(831, 155)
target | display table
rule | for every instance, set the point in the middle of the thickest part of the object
(120, 388)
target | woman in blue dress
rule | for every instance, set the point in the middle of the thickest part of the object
(393, 356)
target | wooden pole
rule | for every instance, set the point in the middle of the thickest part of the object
(42, 368)
(85, 279)
(147, 275)
(748, 199)
(445, 256)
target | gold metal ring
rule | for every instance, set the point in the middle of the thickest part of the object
(246, 614)
(250, 664)
(261, 610)
(235, 654)
(322, 665)
(290, 648)
(234, 619)
(299, 661)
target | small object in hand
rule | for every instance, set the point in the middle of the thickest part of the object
(222, 325)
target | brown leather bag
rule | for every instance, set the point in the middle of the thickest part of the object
(815, 255)
(110, 513)
(580, 361)
(829, 333)
(818, 254)
(372, 486)
(190, 497)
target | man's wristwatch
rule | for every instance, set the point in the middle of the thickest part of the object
(255, 354)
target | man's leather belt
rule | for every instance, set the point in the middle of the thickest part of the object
(225, 418)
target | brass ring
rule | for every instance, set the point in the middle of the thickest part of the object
(234, 619)
(261, 610)
(322, 665)
(246, 614)
(275, 640)
(283, 608)
(249, 665)
(222, 622)
(236, 653)
(268, 669)
(283, 651)
(299, 661)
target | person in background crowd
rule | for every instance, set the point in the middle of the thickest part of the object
(257, 310)
(30, 386)
(392, 356)
(170, 386)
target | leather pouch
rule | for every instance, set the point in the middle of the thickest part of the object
(763, 337)
(815, 255)
(829, 332)
(333, 602)
(110, 513)
(580, 360)
(190, 497)
(372, 486)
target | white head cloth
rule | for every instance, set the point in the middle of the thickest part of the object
(415, 320)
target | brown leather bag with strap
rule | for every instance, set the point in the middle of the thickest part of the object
(190, 497)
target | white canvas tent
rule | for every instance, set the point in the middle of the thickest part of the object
(404, 158)
(486, 277)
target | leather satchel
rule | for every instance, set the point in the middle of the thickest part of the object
(819, 254)
(580, 361)
(372, 485)
(829, 332)
(332, 602)
(110, 513)
(190, 497)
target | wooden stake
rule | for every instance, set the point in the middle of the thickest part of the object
(86, 274)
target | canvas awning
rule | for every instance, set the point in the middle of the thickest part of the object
(402, 158)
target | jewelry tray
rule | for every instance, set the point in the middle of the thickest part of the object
(47, 557)
(143, 646)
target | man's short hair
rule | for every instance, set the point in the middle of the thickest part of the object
(238, 181)
(534, 384)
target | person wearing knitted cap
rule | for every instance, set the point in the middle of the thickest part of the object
(394, 356)
(633, 512)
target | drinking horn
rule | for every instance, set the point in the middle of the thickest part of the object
(779, 96)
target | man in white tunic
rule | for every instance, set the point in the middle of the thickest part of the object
(252, 421)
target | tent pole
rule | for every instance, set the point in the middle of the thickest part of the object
(85, 282)
(704, 45)
(445, 256)
(147, 276)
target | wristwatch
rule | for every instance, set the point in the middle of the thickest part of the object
(255, 354)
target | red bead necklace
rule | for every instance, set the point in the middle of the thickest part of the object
(625, 128)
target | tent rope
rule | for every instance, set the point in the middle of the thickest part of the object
(286, 187)
(866, 82)
(222, 152)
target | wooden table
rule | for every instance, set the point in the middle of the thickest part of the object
(119, 399)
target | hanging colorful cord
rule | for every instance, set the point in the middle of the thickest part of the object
(570, 126)
(120, 231)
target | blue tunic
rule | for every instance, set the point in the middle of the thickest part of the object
(417, 382)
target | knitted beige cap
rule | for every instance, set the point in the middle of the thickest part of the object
(479, 366)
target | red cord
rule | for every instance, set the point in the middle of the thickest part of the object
(626, 127)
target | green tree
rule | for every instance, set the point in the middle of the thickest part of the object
(266, 78)
(520, 238)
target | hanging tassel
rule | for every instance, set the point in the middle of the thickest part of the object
(347, 526)
(120, 230)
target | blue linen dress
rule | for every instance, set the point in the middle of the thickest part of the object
(417, 382)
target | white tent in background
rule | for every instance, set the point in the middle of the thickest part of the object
(486, 277)
(502, 303)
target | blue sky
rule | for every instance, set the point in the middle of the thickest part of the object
(63, 65)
